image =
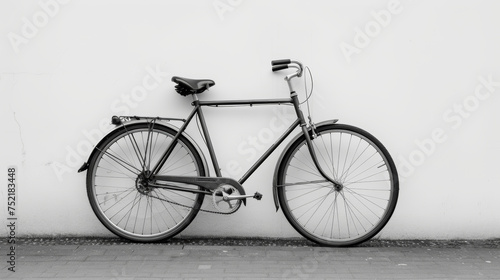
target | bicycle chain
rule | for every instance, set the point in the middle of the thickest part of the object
(182, 205)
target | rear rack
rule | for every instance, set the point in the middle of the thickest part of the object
(119, 120)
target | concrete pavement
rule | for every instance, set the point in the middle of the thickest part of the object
(192, 258)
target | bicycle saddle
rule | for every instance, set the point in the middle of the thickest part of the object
(187, 86)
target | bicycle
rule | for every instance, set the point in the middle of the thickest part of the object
(337, 185)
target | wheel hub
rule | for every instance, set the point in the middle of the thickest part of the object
(142, 183)
(338, 187)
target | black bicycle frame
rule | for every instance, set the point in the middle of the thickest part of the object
(300, 121)
(249, 102)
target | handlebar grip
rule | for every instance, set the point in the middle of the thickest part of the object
(279, 67)
(280, 62)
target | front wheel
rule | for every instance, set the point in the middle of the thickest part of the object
(343, 215)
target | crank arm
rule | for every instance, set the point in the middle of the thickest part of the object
(257, 196)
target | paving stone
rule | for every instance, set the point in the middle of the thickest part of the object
(198, 258)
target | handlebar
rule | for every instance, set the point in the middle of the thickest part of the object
(281, 64)
(280, 61)
(279, 67)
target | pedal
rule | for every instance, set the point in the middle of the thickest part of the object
(257, 196)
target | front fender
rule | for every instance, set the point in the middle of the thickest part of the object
(85, 165)
(278, 164)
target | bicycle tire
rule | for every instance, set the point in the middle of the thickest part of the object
(352, 213)
(137, 212)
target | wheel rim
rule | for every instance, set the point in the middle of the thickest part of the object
(120, 192)
(350, 212)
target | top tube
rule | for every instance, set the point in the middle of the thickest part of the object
(245, 102)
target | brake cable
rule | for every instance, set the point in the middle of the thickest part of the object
(308, 96)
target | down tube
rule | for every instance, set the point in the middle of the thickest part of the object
(269, 151)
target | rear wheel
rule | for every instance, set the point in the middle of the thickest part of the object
(117, 183)
(342, 215)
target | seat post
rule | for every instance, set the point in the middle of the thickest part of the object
(195, 97)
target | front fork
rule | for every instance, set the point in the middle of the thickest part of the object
(337, 185)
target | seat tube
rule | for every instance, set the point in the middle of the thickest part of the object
(210, 147)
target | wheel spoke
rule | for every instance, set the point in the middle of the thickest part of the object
(136, 149)
(122, 163)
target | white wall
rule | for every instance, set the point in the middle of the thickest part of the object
(423, 77)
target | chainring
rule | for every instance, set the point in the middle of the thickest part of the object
(225, 206)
